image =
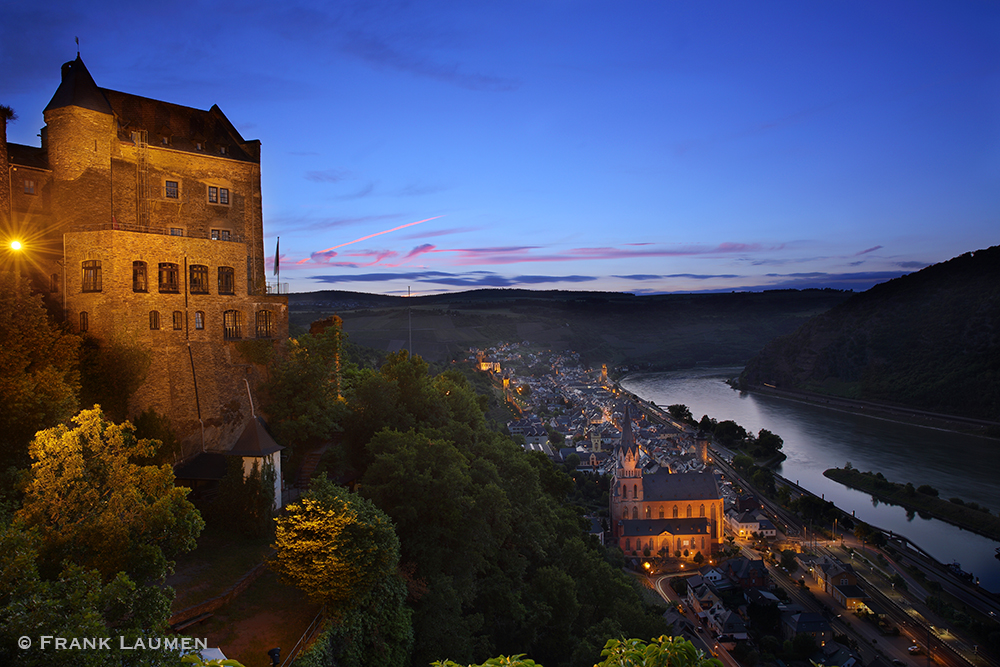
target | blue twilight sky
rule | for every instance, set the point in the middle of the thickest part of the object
(642, 146)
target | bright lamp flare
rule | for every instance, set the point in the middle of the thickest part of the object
(15, 245)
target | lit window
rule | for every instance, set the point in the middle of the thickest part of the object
(172, 189)
(227, 280)
(176, 231)
(84, 322)
(140, 282)
(213, 194)
(169, 278)
(221, 235)
(232, 324)
(178, 320)
(199, 279)
(222, 150)
(224, 196)
(154, 320)
(92, 275)
(29, 186)
(199, 319)
(265, 324)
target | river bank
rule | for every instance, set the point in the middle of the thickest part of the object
(961, 515)
(941, 422)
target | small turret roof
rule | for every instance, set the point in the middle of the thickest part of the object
(78, 89)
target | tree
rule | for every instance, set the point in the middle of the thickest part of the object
(93, 504)
(681, 413)
(245, 503)
(335, 546)
(39, 382)
(302, 393)
(768, 443)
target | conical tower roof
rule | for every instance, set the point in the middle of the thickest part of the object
(78, 89)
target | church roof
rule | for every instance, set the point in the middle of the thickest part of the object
(644, 527)
(663, 486)
(78, 89)
(254, 441)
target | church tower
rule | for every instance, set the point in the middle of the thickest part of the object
(626, 486)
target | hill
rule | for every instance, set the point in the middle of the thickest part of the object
(929, 340)
(658, 332)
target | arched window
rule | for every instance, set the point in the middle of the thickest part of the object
(232, 324)
(661, 511)
(689, 512)
(675, 511)
(624, 492)
(140, 281)
(84, 322)
(170, 281)
(199, 279)
(647, 512)
(701, 511)
(635, 513)
(178, 320)
(91, 276)
(635, 491)
(154, 320)
(625, 513)
(199, 319)
(628, 544)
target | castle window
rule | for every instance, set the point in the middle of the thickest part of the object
(154, 320)
(232, 324)
(92, 275)
(224, 196)
(172, 189)
(178, 320)
(265, 324)
(84, 322)
(221, 235)
(29, 186)
(227, 280)
(217, 195)
(222, 150)
(176, 231)
(169, 278)
(199, 319)
(140, 283)
(199, 279)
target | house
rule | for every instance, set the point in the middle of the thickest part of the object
(145, 224)
(742, 524)
(747, 573)
(809, 623)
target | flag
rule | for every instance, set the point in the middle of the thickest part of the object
(277, 245)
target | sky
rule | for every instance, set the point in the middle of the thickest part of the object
(633, 146)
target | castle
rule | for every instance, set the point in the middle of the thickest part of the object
(659, 513)
(140, 221)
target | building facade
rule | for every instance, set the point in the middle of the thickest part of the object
(141, 222)
(661, 513)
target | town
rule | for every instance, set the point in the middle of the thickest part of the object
(839, 596)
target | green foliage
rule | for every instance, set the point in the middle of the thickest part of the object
(39, 381)
(198, 661)
(151, 425)
(767, 444)
(75, 604)
(302, 393)
(335, 546)
(93, 504)
(928, 490)
(730, 434)
(496, 560)
(743, 463)
(245, 504)
(681, 413)
(680, 585)
(110, 372)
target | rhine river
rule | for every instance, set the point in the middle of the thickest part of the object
(817, 438)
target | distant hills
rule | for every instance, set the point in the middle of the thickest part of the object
(656, 332)
(928, 340)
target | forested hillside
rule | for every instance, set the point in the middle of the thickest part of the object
(656, 332)
(928, 340)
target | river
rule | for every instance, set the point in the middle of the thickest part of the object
(817, 438)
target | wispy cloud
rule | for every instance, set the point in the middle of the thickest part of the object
(329, 176)
(472, 279)
(865, 252)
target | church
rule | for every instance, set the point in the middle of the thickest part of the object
(140, 222)
(662, 513)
